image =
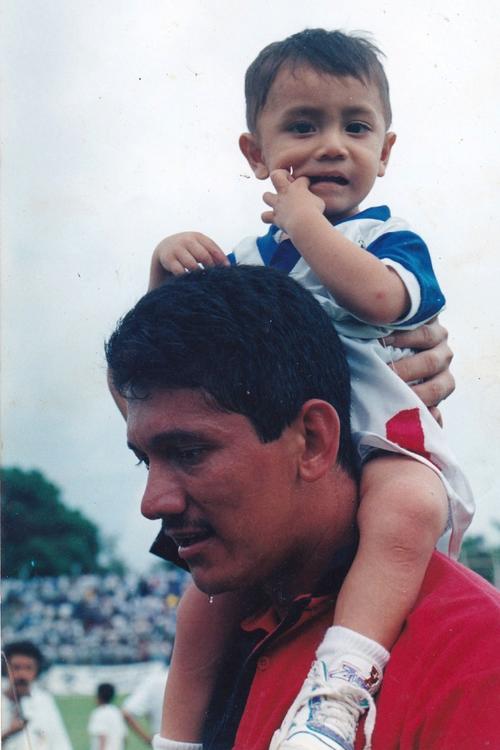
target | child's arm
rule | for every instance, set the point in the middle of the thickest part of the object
(183, 252)
(203, 629)
(359, 281)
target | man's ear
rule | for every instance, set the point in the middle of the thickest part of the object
(249, 147)
(320, 425)
(389, 141)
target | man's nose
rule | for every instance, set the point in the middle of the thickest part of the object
(332, 145)
(163, 495)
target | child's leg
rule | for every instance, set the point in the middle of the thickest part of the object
(202, 629)
(403, 512)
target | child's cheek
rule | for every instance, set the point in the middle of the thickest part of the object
(292, 159)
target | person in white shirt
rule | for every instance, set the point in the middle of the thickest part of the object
(30, 717)
(146, 701)
(106, 727)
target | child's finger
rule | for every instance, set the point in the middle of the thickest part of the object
(217, 255)
(267, 217)
(303, 180)
(187, 258)
(270, 199)
(199, 254)
(280, 178)
(176, 268)
(200, 250)
(205, 255)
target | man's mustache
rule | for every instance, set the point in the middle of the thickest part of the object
(183, 521)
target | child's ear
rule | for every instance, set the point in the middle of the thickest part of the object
(250, 149)
(389, 141)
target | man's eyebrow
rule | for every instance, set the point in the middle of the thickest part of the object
(134, 448)
(167, 439)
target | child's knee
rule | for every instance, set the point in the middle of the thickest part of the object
(407, 516)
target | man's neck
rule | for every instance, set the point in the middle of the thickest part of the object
(323, 575)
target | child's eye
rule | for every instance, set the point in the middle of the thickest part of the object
(302, 128)
(357, 128)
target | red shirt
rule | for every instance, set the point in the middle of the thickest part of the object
(441, 689)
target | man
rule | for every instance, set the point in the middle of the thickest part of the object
(242, 417)
(30, 717)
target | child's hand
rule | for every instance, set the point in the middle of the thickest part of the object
(292, 203)
(184, 252)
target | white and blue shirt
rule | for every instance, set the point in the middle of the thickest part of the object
(384, 236)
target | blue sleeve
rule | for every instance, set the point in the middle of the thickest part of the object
(408, 249)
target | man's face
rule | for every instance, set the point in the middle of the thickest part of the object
(328, 128)
(229, 501)
(24, 670)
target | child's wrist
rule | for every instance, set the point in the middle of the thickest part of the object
(303, 223)
(162, 743)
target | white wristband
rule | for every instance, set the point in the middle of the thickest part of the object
(162, 743)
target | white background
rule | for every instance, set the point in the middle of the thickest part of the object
(120, 125)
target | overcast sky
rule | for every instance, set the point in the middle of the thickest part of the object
(120, 126)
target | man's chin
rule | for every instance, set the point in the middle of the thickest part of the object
(210, 587)
(212, 584)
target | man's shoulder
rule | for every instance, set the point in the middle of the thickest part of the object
(457, 604)
(440, 686)
(446, 579)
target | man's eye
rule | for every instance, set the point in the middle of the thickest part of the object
(357, 127)
(302, 128)
(189, 456)
(142, 460)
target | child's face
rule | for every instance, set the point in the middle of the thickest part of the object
(330, 129)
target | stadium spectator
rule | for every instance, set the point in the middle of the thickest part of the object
(146, 702)
(30, 717)
(92, 619)
(106, 728)
(241, 415)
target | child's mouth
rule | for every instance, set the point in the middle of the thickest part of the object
(337, 179)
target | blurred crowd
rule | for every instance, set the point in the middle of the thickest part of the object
(92, 619)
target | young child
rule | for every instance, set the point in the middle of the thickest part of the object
(318, 114)
(106, 727)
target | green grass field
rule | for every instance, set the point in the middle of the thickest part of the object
(75, 710)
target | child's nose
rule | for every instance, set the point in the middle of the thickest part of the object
(332, 145)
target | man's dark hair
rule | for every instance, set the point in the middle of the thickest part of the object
(252, 339)
(105, 692)
(325, 51)
(23, 648)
